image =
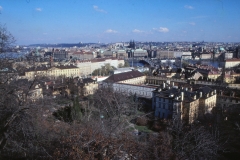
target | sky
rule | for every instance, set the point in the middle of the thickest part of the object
(106, 21)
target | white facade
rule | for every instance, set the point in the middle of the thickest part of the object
(121, 70)
(180, 54)
(231, 63)
(139, 90)
(87, 67)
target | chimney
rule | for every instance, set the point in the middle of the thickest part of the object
(182, 96)
(215, 91)
(194, 97)
(200, 94)
(163, 85)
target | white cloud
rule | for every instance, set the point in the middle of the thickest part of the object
(1, 8)
(96, 8)
(111, 31)
(161, 29)
(38, 9)
(137, 31)
(188, 7)
(192, 23)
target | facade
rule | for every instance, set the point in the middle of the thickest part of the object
(144, 91)
(88, 66)
(121, 70)
(185, 55)
(60, 54)
(84, 67)
(207, 100)
(165, 54)
(140, 53)
(231, 77)
(173, 54)
(152, 53)
(56, 71)
(227, 55)
(170, 101)
(82, 55)
(228, 63)
(206, 56)
(122, 54)
(108, 54)
(87, 86)
(224, 101)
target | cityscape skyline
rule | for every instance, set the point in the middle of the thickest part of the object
(74, 21)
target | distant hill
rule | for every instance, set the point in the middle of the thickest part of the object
(62, 45)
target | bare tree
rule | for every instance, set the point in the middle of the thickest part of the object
(6, 39)
(115, 109)
(193, 142)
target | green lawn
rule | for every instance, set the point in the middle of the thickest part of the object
(143, 129)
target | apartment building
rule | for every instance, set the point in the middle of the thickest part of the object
(132, 77)
(55, 71)
(170, 101)
(144, 91)
(228, 63)
(88, 66)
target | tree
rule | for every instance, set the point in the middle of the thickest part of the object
(185, 64)
(120, 65)
(6, 39)
(126, 64)
(76, 112)
(104, 70)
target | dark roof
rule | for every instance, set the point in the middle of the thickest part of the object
(123, 76)
(205, 89)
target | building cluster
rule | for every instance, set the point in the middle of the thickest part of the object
(176, 91)
(168, 100)
(186, 103)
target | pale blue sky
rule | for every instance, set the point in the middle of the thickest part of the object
(73, 21)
